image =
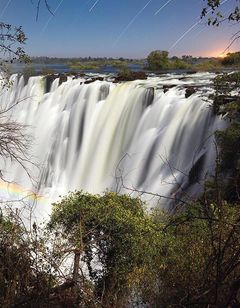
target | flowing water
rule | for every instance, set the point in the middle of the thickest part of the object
(123, 137)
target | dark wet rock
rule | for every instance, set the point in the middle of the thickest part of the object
(99, 79)
(130, 76)
(94, 79)
(49, 80)
(190, 91)
(104, 92)
(191, 72)
(76, 76)
(149, 97)
(25, 78)
(51, 77)
(62, 78)
(89, 81)
(168, 87)
(221, 100)
(196, 170)
(185, 78)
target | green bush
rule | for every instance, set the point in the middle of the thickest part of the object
(158, 60)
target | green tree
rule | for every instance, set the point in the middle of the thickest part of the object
(177, 63)
(212, 6)
(226, 102)
(158, 60)
(232, 59)
(217, 17)
(24, 277)
(198, 265)
(112, 235)
(12, 39)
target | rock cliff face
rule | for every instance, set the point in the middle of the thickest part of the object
(190, 91)
(130, 76)
(93, 134)
(51, 77)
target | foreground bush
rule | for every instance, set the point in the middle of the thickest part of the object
(106, 251)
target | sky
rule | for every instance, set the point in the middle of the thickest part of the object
(118, 28)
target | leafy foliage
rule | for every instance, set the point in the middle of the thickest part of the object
(23, 278)
(209, 65)
(232, 59)
(126, 256)
(11, 40)
(111, 231)
(212, 6)
(201, 264)
(158, 60)
(226, 102)
(225, 83)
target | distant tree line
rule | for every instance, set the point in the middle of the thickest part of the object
(157, 60)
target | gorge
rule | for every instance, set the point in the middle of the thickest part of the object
(139, 136)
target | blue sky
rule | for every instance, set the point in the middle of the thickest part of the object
(117, 28)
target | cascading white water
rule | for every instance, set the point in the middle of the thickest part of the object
(87, 135)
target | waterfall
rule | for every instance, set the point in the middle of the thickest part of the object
(102, 135)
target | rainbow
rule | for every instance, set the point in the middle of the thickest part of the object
(12, 192)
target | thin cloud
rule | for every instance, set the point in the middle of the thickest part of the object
(95, 3)
(184, 34)
(205, 26)
(131, 22)
(51, 17)
(162, 7)
(5, 8)
(191, 28)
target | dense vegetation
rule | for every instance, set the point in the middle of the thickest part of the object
(156, 61)
(231, 59)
